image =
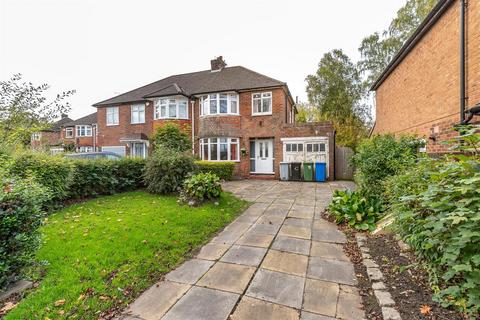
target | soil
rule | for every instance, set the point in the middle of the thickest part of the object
(406, 281)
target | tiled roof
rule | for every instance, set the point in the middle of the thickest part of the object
(90, 119)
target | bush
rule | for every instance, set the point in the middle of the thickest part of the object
(355, 210)
(437, 214)
(166, 171)
(224, 170)
(171, 136)
(200, 187)
(21, 202)
(380, 157)
(53, 172)
(96, 177)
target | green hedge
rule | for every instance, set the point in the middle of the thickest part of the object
(21, 202)
(224, 170)
(97, 177)
(437, 213)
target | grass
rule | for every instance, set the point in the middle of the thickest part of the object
(99, 255)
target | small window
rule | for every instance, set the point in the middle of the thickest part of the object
(84, 131)
(138, 113)
(315, 147)
(309, 147)
(69, 133)
(322, 147)
(262, 103)
(112, 116)
(300, 147)
(36, 136)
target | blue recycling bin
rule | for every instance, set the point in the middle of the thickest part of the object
(320, 172)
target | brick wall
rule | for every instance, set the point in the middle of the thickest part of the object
(421, 96)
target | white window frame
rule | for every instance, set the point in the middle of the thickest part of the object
(86, 129)
(205, 104)
(206, 143)
(144, 149)
(165, 102)
(139, 110)
(263, 95)
(68, 133)
(296, 144)
(112, 112)
(84, 149)
(37, 136)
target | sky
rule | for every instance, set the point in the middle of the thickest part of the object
(102, 48)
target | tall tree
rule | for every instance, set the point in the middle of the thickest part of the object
(378, 49)
(24, 109)
(337, 91)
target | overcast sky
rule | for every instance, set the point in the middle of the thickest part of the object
(102, 48)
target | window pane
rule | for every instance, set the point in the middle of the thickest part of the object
(172, 109)
(315, 147)
(256, 95)
(252, 165)
(223, 103)
(223, 140)
(257, 105)
(300, 147)
(213, 151)
(252, 148)
(266, 150)
(233, 106)
(322, 147)
(294, 147)
(289, 147)
(266, 104)
(182, 109)
(213, 105)
(163, 111)
(205, 105)
(309, 147)
(234, 151)
(223, 151)
(205, 152)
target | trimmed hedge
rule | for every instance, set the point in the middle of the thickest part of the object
(97, 177)
(21, 202)
(224, 170)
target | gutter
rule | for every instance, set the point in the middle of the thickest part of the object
(193, 126)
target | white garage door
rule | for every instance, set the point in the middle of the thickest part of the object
(120, 150)
(305, 149)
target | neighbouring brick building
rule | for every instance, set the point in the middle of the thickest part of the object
(231, 114)
(50, 138)
(420, 92)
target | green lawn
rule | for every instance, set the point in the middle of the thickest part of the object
(102, 253)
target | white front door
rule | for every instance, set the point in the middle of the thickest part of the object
(138, 149)
(264, 156)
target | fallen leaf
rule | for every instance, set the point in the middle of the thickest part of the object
(7, 307)
(59, 303)
(103, 298)
(425, 310)
(81, 297)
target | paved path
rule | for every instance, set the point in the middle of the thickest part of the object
(278, 260)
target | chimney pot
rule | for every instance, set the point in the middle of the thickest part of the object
(217, 64)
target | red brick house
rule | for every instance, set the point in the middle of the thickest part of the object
(232, 114)
(433, 83)
(69, 135)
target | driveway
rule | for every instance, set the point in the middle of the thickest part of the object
(278, 260)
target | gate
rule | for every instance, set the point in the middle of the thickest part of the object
(343, 169)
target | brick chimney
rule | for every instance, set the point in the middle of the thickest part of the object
(64, 115)
(217, 64)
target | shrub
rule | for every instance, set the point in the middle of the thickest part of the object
(53, 172)
(354, 209)
(96, 177)
(166, 171)
(380, 157)
(200, 187)
(437, 214)
(171, 136)
(224, 170)
(21, 202)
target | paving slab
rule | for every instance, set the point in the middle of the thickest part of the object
(296, 232)
(213, 251)
(156, 301)
(294, 245)
(227, 277)
(295, 213)
(255, 239)
(349, 305)
(270, 219)
(321, 297)
(297, 222)
(254, 309)
(190, 271)
(231, 233)
(203, 304)
(286, 262)
(332, 236)
(328, 251)
(277, 287)
(312, 316)
(265, 228)
(250, 256)
(331, 270)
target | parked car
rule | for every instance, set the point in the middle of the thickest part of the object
(94, 155)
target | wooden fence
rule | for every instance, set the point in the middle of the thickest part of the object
(343, 169)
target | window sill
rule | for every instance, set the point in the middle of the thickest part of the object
(219, 115)
(111, 125)
(171, 119)
(236, 161)
(262, 173)
(261, 114)
(137, 122)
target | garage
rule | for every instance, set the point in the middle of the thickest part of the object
(120, 150)
(306, 150)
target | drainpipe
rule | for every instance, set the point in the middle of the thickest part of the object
(193, 126)
(462, 61)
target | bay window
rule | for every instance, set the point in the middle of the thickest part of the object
(262, 103)
(137, 113)
(220, 149)
(84, 131)
(219, 103)
(171, 109)
(112, 116)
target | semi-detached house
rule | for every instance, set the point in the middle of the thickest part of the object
(231, 113)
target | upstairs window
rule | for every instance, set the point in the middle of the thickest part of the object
(138, 113)
(262, 103)
(84, 131)
(69, 133)
(219, 103)
(112, 116)
(171, 109)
